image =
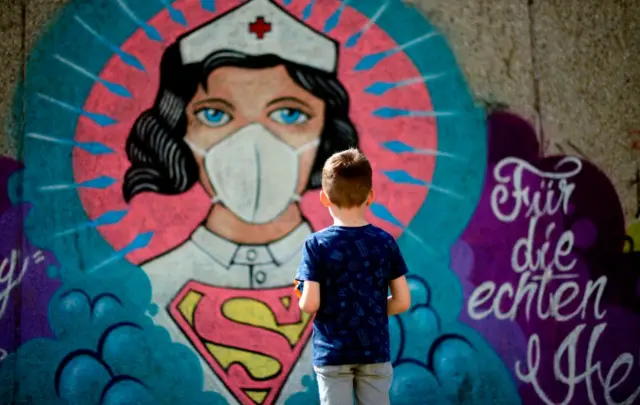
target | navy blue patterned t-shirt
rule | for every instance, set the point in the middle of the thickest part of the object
(353, 266)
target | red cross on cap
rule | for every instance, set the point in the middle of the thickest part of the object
(260, 27)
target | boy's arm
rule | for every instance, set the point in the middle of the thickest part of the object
(400, 299)
(310, 300)
(307, 275)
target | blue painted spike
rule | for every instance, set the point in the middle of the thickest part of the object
(388, 112)
(115, 88)
(287, 2)
(402, 177)
(100, 119)
(379, 88)
(382, 212)
(131, 60)
(140, 241)
(109, 218)
(177, 16)
(209, 5)
(370, 61)
(306, 13)
(398, 146)
(353, 40)
(333, 20)
(95, 148)
(101, 182)
(151, 32)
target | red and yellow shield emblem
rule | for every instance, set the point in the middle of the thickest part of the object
(250, 338)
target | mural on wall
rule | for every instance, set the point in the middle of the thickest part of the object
(172, 153)
(558, 272)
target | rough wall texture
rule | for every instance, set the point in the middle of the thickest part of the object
(159, 175)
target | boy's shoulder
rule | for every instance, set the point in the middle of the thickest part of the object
(333, 234)
(318, 238)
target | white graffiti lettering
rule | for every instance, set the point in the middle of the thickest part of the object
(524, 248)
(548, 286)
(565, 369)
(3, 354)
(562, 302)
(521, 196)
(9, 280)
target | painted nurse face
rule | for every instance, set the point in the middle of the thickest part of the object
(237, 97)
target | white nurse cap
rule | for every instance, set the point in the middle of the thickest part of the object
(260, 27)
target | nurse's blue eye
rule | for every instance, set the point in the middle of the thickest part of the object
(289, 116)
(213, 117)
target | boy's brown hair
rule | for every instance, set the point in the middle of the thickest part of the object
(347, 178)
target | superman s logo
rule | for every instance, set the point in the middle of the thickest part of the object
(250, 338)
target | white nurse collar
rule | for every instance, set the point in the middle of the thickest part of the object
(260, 27)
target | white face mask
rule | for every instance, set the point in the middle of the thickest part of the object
(253, 173)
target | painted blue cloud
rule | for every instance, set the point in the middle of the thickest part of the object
(420, 291)
(105, 308)
(82, 377)
(455, 365)
(104, 354)
(126, 349)
(414, 384)
(395, 338)
(438, 363)
(73, 309)
(423, 324)
(125, 391)
(125, 367)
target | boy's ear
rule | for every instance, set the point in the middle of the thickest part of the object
(370, 198)
(324, 199)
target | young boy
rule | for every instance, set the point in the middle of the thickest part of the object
(345, 274)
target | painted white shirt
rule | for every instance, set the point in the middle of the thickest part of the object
(211, 259)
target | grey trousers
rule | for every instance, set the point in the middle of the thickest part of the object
(369, 382)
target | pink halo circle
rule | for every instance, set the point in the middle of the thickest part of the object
(173, 218)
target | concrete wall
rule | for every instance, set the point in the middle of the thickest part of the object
(503, 135)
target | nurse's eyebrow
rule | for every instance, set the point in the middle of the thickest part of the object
(281, 99)
(215, 100)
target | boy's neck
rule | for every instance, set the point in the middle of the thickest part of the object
(351, 217)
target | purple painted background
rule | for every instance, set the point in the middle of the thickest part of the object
(596, 219)
(25, 314)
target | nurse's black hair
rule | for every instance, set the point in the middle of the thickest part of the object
(161, 161)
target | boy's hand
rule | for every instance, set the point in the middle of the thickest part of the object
(298, 287)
